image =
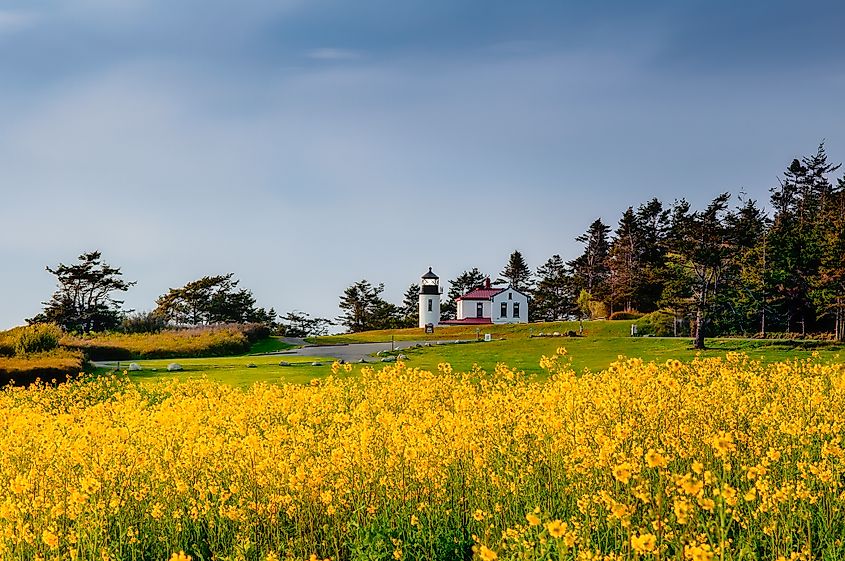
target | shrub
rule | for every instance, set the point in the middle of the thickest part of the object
(659, 323)
(143, 322)
(38, 338)
(8, 340)
(626, 315)
(58, 365)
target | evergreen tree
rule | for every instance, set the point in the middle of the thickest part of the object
(459, 286)
(516, 273)
(829, 285)
(744, 297)
(410, 306)
(653, 228)
(359, 303)
(210, 300)
(590, 270)
(300, 324)
(796, 239)
(701, 251)
(552, 296)
(83, 301)
(623, 263)
(364, 309)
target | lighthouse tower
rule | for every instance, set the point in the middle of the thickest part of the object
(430, 299)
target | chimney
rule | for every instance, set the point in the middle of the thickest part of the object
(487, 283)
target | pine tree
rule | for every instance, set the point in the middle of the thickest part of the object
(83, 301)
(653, 227)
(459, 286)
(362, 306)
(410, 306)
(590, 271)
(796, 240)
(516, 273)
(552, 298)
(702, 249)
(623, 263)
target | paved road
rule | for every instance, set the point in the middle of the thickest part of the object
(354, 351)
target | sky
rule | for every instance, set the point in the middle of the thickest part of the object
(304, 146)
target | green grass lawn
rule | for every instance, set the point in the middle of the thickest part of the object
(597, 353)
(233, 370)
(269, 345)
(602, 343)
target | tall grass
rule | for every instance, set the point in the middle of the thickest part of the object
(183, 343)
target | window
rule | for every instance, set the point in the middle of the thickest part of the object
(479, 310)
(429, 304)
(510, 295)
(516, 309)
(504, 312)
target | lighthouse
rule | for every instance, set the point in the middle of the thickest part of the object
(429, 299)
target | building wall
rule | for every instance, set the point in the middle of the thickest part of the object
(509, 317)
(466, 308)
(434, 315)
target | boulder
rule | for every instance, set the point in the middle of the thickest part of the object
(251, 365)
(556, 334)
(389, 359)
(174, 367)
(134, 367)
(402, 357)
(316, 364)
(284, 363)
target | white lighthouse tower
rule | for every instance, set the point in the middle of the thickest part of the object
(430, 292)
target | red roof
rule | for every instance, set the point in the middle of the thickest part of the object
(481, 294)
(467, 321)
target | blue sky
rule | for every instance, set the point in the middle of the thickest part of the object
(307, 145)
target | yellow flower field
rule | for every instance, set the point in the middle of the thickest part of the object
(717, 459)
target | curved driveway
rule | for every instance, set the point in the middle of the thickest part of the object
(352, 352)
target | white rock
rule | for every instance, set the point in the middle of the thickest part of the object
(402, 357)
(251, 365)
(174, 367)
(556, 334)
(284, 363)
(316, 364)
(389, 359)
(134, 367)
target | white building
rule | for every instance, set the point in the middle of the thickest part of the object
(489, 305)
(429, 304)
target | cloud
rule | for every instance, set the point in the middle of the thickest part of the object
(333, 54)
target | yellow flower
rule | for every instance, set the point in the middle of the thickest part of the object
(655, 459)
(180, 557)
(644, 543)
(533, 519)
(556, 529)
(723, 444)
(682, 511)
(49, 538)
(622, 473)
(478, 515)
(486, 554)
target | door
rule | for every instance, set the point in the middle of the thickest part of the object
(479, 310)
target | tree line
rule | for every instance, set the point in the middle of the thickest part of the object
(731, 267)
(85, 302)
